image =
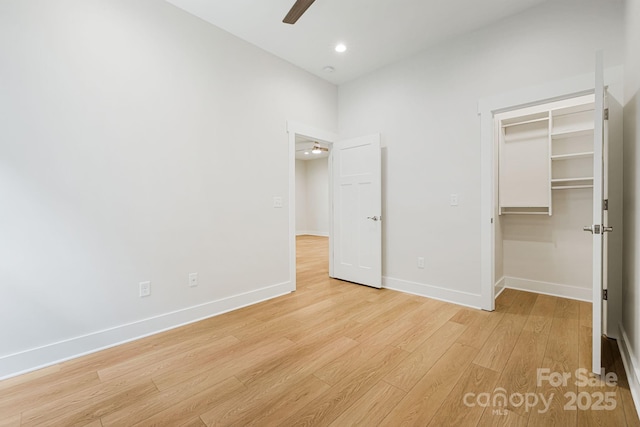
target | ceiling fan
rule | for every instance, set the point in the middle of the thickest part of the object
(298, 8)
(315, 149)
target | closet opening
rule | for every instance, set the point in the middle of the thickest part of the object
(544, 180)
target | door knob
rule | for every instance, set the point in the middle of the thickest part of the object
(607, 229)
(593, 229)
(373, 218)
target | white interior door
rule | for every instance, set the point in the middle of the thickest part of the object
(357, 211)
(598, 228)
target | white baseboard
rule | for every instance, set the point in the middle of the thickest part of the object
(631, 367)
(435, 292)
(499, 287)
(36, 358)
(313, 233)
(547, 288)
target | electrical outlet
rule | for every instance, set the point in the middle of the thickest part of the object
(454, 200)
(420, 262)
(193, 279)
(277, 202)
(145, 289)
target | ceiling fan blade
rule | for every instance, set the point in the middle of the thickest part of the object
(297, 10)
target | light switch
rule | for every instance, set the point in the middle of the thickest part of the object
(454, 200)
(277, 202)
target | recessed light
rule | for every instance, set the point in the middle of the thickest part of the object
(328, 69)
(306, 153)
(341, 48)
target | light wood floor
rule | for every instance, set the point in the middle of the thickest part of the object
(333, 353)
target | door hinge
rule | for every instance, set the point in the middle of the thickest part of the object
(605, 205)
(606, 114)
(605, 294)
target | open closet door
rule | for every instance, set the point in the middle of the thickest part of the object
(357, 211)
(599, 227)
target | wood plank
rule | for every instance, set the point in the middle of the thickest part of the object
(196, 404)
(624, 396)
(561, 358)
(594, 411)
(29, 377)
(567, 309)
(256, 407)
(332, 403)
(545, 306)
(523, 303)
(332, 326)
(193, 422)
(455, 410)
(420, 404)
(152, 364)
(420, 332)
(300, 361)
(89, 405)
(585, 355)
(143, 409)
(563, 343)
(267, 384)
(519, 375)
(505, 299)
(498, 347)
(22, 397)
(9, 421)
(585, 310)
(502, 419)
(229, 363)
(278, 326)
(388, 314)
(389, 332)
(480, 325)
(372, 407)
(418, 363)
(351, 361)
(556, 414)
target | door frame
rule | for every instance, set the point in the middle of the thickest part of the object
(295, 129)
(487, 108)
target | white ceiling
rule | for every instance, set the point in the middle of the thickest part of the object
(376, 32)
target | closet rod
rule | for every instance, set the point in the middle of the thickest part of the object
(525, 213)
(525, 122)
(569, 187)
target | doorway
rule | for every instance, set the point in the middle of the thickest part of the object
(355, 204)
(488, 109)
(305, 138)
(545, 196)
(312, 188)
(606, 207)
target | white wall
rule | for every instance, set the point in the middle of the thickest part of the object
(552, 249)
(312, 197)
(301, 197)
(318, 197)
(137, 143)
(631, 278)
(426, 107)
